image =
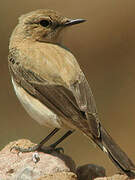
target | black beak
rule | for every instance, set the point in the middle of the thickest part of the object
(74, 21)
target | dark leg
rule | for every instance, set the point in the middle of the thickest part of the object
(37, 147)
(48, 137)
(61, 139)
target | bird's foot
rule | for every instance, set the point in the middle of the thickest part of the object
(23, 150)
(46, 149)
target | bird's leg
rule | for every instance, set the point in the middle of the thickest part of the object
(47, 138)
(52, 147)
(38, 146)
(48, 149)
(68, 133)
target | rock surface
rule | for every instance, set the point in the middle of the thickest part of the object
(43, 166)
(115, 177)
(32, 165)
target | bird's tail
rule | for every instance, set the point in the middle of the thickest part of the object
(114, 152)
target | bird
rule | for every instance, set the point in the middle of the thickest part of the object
(51, 86)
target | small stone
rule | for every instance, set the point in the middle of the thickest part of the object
(89, 172)
(35, 157)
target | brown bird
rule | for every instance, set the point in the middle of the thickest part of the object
(51, 86)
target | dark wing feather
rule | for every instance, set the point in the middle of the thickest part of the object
(86, 103)
(75, 103)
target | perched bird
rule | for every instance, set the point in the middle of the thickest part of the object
(51, 86)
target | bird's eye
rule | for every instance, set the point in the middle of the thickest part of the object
(45, 23)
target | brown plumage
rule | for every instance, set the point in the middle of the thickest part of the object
(50, 84)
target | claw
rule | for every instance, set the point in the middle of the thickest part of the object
(59, 150)
(48, 149)
(23, 150)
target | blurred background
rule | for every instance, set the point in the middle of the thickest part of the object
(105, 49)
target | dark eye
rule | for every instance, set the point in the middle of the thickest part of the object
(45, 23)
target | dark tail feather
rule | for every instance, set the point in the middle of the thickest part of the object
(114, 152)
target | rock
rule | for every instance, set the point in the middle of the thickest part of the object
(43, 166)
(31, 166)
(115, 177)
(89, 172)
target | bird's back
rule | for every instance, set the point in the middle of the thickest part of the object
(55, 63)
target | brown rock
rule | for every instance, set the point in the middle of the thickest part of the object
(89, 172)
(115, 177)
(60, 176)
(33, 165)
(43, 166)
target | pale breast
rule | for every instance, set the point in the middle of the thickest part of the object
(36, 109)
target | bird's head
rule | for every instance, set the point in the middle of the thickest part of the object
(44, 25)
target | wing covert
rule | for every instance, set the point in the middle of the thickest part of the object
(75, 103)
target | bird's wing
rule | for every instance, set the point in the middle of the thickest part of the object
(74, 103)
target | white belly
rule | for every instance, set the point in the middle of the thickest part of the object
(36, 109)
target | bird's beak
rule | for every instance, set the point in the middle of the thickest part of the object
(73, 21)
